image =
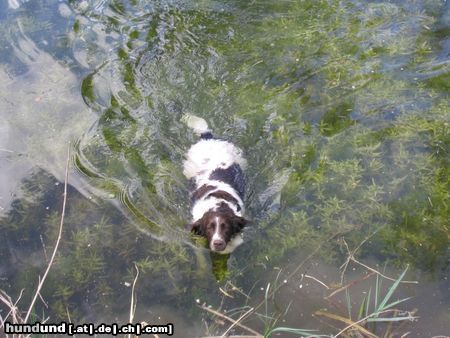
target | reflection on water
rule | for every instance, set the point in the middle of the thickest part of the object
(41, 109)
(341, 108)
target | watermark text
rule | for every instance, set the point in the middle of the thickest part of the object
(89, 329)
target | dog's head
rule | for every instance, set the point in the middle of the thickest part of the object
(219, 226)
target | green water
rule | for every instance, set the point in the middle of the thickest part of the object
(342, 110)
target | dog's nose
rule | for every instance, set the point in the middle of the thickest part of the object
(219, 245)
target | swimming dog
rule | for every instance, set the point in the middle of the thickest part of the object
(215, 167)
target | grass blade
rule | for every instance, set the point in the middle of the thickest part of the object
(377, 290)
(391, 290)
(392, 319)
(396, 302)
(362, 307)
(347, 321)
(266, 295)
(368, 302)
(302, 332)
(349, 303)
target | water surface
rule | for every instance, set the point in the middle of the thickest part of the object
(342, 110)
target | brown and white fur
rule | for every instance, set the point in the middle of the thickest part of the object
(216, 168)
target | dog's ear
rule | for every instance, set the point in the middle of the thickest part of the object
(195, 227)
(240, 222)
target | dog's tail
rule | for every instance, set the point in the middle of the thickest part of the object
(199, 125)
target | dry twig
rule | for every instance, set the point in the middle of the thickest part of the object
(364, 319)
(349, 285)
(346, 321)
(231, 320)
(133, 297)
(55, 249)
(317, 280)
(351, 258)
(13, 309)
(238, 321)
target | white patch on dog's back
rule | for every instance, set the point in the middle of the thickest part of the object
(206, 203)
(202, 206)
(207, 155)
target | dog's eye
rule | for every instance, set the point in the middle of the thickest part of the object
(222, 225)
(210, 226)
